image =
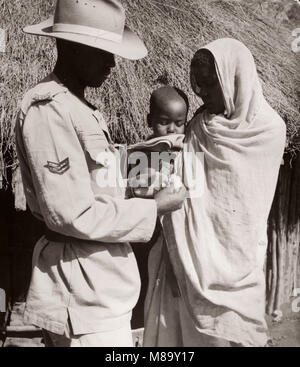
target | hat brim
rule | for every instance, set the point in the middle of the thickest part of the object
(131, 47)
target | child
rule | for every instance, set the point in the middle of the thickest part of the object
(167, 117)
(168, 111)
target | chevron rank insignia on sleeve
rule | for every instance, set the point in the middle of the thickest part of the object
(58, 168)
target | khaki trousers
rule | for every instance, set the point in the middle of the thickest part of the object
(116, 338)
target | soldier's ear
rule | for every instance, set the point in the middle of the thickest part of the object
(149, 120)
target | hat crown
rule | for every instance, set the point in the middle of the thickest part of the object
(95, 23)
(102, 15)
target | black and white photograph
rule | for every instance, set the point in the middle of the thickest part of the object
(149, 176)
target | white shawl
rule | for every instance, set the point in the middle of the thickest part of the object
(217, 242)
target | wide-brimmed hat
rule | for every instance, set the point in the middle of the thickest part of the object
(95, 23)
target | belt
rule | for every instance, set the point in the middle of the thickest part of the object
(52, 236)
(58, 237)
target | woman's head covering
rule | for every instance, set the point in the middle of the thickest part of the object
(236, 70)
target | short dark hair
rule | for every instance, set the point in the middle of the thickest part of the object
(180, 92)
(64, 46)
(183, 96)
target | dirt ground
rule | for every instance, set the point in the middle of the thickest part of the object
(283, 333)
(286, 332)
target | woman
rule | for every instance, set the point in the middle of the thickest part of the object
(217, 242)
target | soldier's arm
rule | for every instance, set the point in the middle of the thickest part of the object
(62, 184)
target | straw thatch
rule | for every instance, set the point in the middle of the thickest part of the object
(173, 30)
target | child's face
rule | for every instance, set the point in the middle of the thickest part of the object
(169, 117)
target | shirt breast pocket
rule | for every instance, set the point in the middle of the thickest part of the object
(98, 151)
(103, 164)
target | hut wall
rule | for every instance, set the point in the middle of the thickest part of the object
(283, 256)
(19, 231)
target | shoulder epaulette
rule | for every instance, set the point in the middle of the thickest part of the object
(42, 92)
(42, 97)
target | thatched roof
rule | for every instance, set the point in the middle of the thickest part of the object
(172, 30)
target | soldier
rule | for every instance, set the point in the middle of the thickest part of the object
(85, 280)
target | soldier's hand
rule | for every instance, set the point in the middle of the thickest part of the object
(147, 184)
(169, 199)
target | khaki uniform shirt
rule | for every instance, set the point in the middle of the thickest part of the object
(90, 284)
